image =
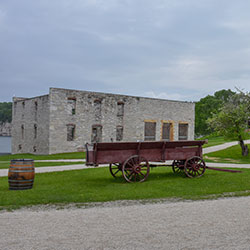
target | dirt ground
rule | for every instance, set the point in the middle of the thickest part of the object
(209, 224)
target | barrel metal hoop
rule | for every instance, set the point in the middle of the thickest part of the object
(22, 166)
(29, 180)
(22, 185)
(21, 171)
(19, 188)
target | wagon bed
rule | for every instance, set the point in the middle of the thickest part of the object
(132, 158)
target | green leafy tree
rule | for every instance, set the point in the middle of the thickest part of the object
(232, 119)
(5, 112)
(208, 106)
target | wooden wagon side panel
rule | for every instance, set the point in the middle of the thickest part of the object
(181, 153)
(113, 156)
(107, 153)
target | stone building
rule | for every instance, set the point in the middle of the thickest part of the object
(64, 120)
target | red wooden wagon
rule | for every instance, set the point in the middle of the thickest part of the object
(132, 158)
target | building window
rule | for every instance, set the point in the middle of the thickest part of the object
(183, 131)
(96, 135)
(22, 131)
(36, 105)
(120, 109)
(35, 131)
(70, 132)
(23, 104)
(119, 133)
(72, 105)
(98, 110)
(149, 131)
(167, 131)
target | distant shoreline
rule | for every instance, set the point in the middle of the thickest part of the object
(5, 153)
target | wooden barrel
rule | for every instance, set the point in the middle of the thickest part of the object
(21, 174)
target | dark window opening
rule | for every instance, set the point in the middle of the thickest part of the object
(20, 147)
(22, 131)
(36, 105)
(166, 131)
(119, 133)
(72, 105)
(96, 135)
(150, 131)
(35, 131)
(70, 132)
(98, 110)
(23, 103)
(120, 109)
(34, 149)
(183, 131)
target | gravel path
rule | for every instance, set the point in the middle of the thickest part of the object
(210, 224)
(222, 146)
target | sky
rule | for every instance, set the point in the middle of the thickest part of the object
(180, 50)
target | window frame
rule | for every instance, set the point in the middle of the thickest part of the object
(146, 137)
(183, 123)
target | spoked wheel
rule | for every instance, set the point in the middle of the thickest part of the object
(135, 169)
(178, 166)
(194, 167)
(115, 169)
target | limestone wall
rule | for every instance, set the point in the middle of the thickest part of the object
(30, 125)
(101, 109)
(65, 120)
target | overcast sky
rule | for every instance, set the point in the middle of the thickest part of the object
(174, 49)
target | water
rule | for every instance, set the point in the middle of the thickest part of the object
(5, 144)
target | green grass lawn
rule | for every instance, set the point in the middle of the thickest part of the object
(213, 141)
(97, 185)
(229, 155)
(4, 165)
(216, 140)
(74, 155)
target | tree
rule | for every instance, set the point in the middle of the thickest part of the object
(232, 119)
(206, 107)
(5, 112)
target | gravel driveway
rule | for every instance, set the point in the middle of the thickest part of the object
(210, 224)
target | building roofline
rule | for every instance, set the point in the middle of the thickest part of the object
(21, 99)
(93, 92)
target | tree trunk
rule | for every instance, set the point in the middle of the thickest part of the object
(244, 148)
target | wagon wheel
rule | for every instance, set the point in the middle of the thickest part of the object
(178, 166)
(115, 169)
(194, 167)
(135, 169)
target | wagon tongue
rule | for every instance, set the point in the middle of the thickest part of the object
(225, 170)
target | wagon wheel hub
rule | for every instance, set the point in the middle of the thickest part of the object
(195, 167)
(137, 169)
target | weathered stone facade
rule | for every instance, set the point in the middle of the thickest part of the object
(64, 120)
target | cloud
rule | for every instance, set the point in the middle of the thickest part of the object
(162, 48)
